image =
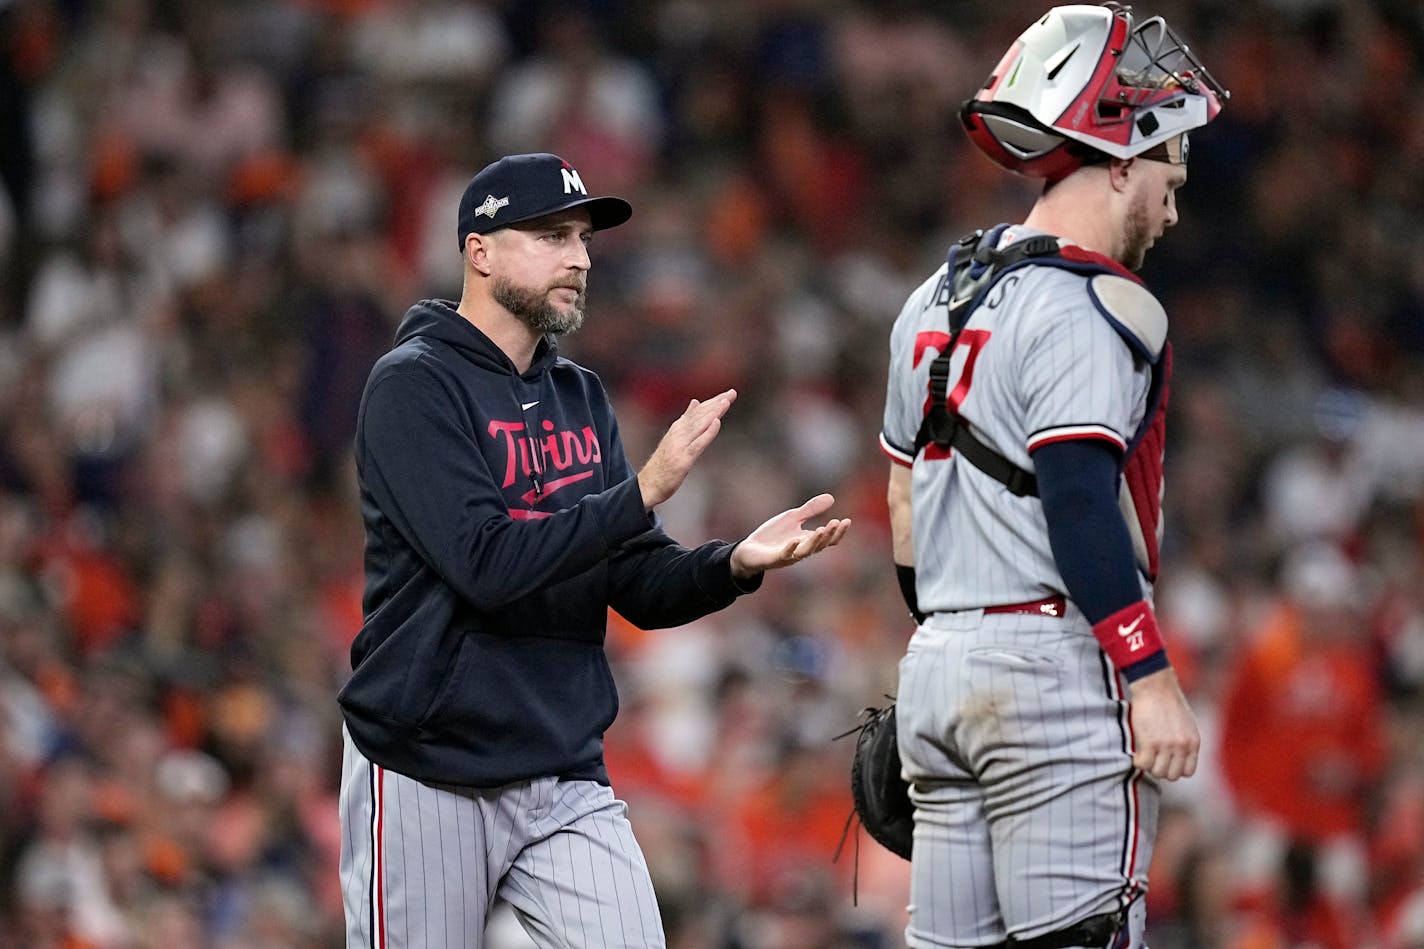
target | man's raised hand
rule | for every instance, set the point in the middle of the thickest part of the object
(681, 446)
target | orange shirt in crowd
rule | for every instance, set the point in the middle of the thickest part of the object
(1303, 728)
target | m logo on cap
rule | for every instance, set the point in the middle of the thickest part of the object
(572, 181)
(530, 190)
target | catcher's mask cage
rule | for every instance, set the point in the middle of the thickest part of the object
(1085, 83)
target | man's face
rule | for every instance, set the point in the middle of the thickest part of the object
(542, 270)
(1152, 210)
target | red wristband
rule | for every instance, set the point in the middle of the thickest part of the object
(1130, 635)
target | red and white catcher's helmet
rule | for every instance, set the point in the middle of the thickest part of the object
(1085, 81)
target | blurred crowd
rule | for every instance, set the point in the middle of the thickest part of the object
(214, 212)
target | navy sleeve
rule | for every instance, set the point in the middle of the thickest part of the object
(425, 471)
(1078, 484)
(656, 583)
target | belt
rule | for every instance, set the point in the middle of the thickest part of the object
(1049, 606)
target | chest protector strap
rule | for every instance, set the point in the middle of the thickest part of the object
(974, 266)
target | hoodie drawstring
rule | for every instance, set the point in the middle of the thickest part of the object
(536, 446)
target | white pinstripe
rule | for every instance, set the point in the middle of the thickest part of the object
(422, 865)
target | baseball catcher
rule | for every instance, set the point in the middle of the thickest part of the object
(1037, 709)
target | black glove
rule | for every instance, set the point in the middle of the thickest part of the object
(882, 798)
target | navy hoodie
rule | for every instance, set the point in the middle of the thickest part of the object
(502, 521)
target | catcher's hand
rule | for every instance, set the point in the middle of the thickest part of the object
(882, 798)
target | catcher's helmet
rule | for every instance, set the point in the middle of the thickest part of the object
(1085, 82)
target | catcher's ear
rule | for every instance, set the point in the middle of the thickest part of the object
(1119, 170)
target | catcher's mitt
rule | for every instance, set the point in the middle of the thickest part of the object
(882, 798)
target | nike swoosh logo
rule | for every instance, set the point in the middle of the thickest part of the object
(1130, 628)
(529, 405)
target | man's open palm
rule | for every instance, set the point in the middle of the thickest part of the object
(782, 540)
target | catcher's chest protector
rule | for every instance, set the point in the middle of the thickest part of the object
(975, 265)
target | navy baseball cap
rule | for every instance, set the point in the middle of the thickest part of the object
(522, 187)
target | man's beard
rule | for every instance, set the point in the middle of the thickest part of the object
(1137, 237)
(533, 309)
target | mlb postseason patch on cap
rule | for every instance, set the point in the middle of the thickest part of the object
(523, 187)
(491, 206)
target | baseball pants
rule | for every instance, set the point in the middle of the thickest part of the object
(1014, 734)
(421, 864)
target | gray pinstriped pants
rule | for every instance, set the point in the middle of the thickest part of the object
(421, 864)
(1030, 817)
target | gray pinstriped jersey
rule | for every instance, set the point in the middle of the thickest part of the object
(1036, 363)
